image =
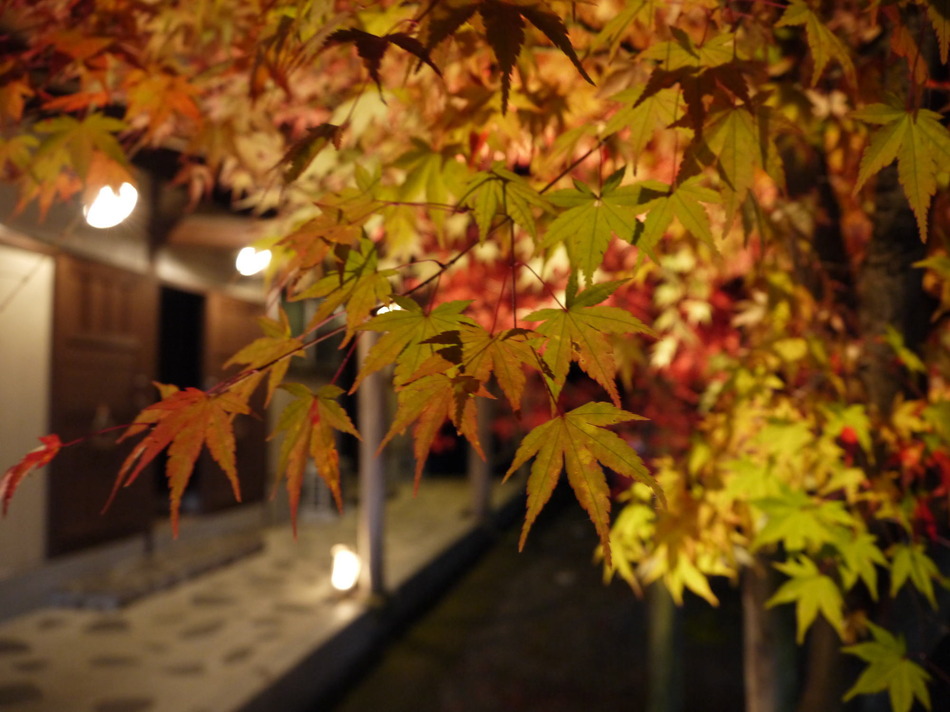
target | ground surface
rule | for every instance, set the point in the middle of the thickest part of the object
(539, 631)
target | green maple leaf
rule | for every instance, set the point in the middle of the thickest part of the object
(408, 330)
(272, 351)
(889, 669)
(812, 592)
(431, 174)
(357, 283)
(861, 556)
(839, 416)
(909, 562)
(733, 139)
(340, 222)
(308, 425)
(80, 140)
(503, 354)
(800, 522)
(644, 115)
(614, 29)
(579, 443)
(501, 192)
(591, 219)
(681, 52)
(301, 153)
(581, 332)
(683, 202)
(504, 31)
(916, 139)
(824, 44)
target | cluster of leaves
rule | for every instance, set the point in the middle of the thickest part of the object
(592, 162)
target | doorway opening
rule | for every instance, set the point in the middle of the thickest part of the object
(180, 362)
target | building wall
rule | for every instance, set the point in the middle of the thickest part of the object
(26, 291)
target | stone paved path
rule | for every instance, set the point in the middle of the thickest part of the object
(216, 643)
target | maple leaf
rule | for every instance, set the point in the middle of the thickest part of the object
(428, 402)
(504, 32)
(82, 138)
(272, 352)
(939, 13)
(301, 153)
(811, 592)
(889, 669)
(824, 44)
(681, 52)
(13, 96)
(733, 138)
(615, 28)
(909, 562)
(356, 282)
(159, 97)
(308, 425)
(682, 201)
(371, 48)
(503, 354)
(796, 520)
(501, 192)
(88, 147)
(340, 222)
(916, 139)
(581, 332)
(591, 219)
(431, 175)
(407, 331)
(860, 554)
(644, 115)
(17, 151)
(33, 460)
(578, 442)
(184, 422)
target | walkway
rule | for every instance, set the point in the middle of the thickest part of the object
(264, 633)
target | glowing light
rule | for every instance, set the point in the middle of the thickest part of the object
(249, 261)
(109, 208)
(346, 568)
(388, 308)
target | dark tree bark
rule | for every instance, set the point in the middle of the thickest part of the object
(890, 293)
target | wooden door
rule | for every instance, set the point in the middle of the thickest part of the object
(104, 359)
(231, 324)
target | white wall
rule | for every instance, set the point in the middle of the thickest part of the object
(26, 315)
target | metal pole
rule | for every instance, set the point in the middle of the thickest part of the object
(372, 496)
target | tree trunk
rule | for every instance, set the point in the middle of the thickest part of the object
(665, 651)
(768, 646)
(890, 293)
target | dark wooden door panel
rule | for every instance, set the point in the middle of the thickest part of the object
(105, 324)
(231, 324)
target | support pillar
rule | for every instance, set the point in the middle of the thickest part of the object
(371, 415)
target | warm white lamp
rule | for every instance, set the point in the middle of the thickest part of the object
(109, 207)
(345, 573)
(251, 261)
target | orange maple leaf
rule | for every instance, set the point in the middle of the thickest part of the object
(430, 401)
(183, 422)
(309, 424)
(40, 457)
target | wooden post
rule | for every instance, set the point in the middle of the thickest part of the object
(372, 477)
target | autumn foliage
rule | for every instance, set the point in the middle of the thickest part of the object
(670, 210)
